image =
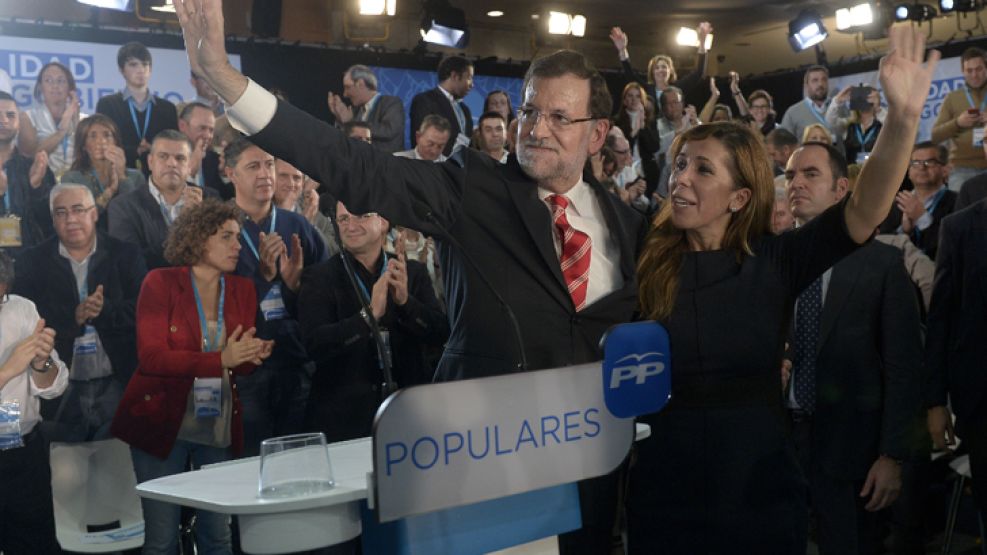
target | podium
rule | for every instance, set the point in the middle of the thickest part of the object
(454, 468)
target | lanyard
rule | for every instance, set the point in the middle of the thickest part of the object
(6, 200)
(98, 183)
(147, 118)
(933, 204)
(363, 286)
(864, 139)
(209, 344)
(65, 147)
(166, 212)
(270, 230)
(983, 104)
(816, 112)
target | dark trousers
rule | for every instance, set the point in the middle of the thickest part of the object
(598, 507)
(843, 526)
(27, 522)
(973, 431)
(273, 401)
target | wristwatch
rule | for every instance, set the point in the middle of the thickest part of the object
(44, 367)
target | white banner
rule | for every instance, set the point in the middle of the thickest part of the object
(94, 67)
(948, 77)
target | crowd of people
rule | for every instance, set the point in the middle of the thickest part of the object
(194, 279)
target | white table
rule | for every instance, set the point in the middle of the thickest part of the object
(282, 525)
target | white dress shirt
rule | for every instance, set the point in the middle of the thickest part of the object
(584, 214)
(18, 316)
(169, 211)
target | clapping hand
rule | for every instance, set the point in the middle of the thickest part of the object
(39, 168)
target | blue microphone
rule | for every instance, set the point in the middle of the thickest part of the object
(637, 376)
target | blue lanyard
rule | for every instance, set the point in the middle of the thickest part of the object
(817, 113)
(209, 344)
(65, 147)
(6, 199)
(864, 139)
(166, 212)
(933, 204)
(363, 286)
(270, 230)
(98, 183)
(147, 117)
(983, 104)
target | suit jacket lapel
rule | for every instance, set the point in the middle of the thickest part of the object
(538, 223)
(186, 304)
(841, 283)
(617, 227)
(153, 209)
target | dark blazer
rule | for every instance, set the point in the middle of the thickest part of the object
(45, 277)
(27, 202)
(135, 217)
(927, 239)
(868, 366)
(211, 174)
(649, 144)
(433, 101)
(688, 83)
(346, 386)
(973, 191)
(163, 116)
(493, 211)
(169, 349)
(956, 343)
(386, 121)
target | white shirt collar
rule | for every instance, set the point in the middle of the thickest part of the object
(156, 193)
(64, 252)
(580, 197)
(446, 93)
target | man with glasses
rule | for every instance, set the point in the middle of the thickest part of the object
(531, 238)
(346, 386)
(85, 284)
(24, 186)
(919, 212)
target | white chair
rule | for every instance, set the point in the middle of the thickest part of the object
(97, 509)
(961, 466)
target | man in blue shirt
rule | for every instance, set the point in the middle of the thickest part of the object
(277, 245)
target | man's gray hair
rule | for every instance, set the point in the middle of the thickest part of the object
(780, 194)
(63, 187)
(363, 73)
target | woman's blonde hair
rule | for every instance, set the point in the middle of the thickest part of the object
(661, 258)
(672, 76)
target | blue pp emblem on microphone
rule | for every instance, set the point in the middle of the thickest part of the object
(636, 369)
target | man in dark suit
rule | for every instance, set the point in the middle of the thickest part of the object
(504, 230)
(455, 75)
(973, 190)
(956, 345)
(139, 115)
(197, 122)
(383, 113)
(856, 369)
(143, 216)
(85, 285)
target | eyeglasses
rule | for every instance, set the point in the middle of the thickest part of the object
(759, 106)
(60, 81)
(77, 211)
(925, 163)
(347, 218)
(529, 116)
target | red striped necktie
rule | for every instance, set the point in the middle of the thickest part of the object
(575, 256)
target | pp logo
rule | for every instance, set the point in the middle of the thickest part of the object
(636, 369)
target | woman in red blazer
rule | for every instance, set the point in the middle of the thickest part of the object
(195, 334)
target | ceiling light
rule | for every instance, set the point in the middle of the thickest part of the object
(854, 18)
(168, 6)
(561, 23)
(914, 12)
(806, 30)
(946, 6)
(377, 7)
(689, 37)
(121, 5)
(444, 25)
(495, 13)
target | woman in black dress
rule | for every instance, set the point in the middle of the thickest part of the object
(718, 474)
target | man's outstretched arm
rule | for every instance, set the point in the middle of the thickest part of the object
(205, 42)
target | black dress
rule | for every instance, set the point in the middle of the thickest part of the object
(718, 473)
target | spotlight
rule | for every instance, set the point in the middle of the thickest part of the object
(377, 7)
(561, 23)
(946, 6)
(689, 37)
(902, 12)
(806, 30)
(854, 18)
(120, 5)
(444, 25)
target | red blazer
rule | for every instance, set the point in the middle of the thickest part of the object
(170, 357)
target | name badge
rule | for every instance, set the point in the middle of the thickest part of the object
(207, 394)
(85, 344)
(10, 231)
(10, 425)
(272, 307)
(862, 157)
(978, 136)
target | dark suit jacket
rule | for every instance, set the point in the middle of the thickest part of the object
(649, 143)
(435, 102)
(211, 173)
(688, 83)
(927, 239)
(169, 349)
(163, 116)
(386, 121)
(956, 344)
(973, 191)
(46, 277)
(346, 386)
(493, 211)
(868, 367)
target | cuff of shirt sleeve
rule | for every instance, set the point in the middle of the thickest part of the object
(253, 110)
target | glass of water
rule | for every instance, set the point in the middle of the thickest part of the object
(294, 465)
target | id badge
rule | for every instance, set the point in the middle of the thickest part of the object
(462, 140)
(88, 360)
(10, 231)
(978, 137)
(207, 394)
(272, 306)
(862, 157)
(10, 425)
(85, 344)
